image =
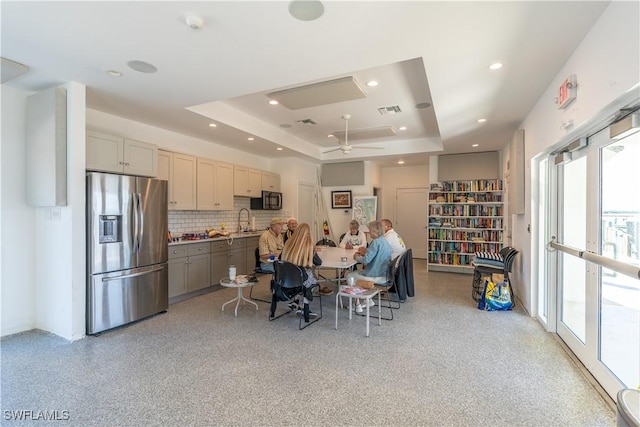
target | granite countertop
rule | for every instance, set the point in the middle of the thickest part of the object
(215, 239)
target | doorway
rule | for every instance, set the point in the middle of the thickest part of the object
(411, 219)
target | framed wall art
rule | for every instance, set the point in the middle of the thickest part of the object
(364, 210)
(341, 199)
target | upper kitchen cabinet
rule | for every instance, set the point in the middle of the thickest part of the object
(214, 186)
(270, 181)
(246, 182)
(108, 153)
(180, 171)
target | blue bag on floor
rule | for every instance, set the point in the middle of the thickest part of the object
(496, 296)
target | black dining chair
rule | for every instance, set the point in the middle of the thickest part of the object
(326, 242)
(254, 278)
(489, 263)
(287, 284)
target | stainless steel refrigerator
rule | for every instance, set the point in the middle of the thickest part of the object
(127, 228)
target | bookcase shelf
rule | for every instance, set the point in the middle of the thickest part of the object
(464, 217)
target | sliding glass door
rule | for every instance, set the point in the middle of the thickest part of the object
(598, 310)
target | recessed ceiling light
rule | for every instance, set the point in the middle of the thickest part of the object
(482, 120)
(401, 162)
(273, 102)
(250, 139)
(143, 67)
(495, 66)
(279, 148)
(114, 73)
(330, 135)
(402, 128)
(306, 10)
(213, 125)
(475, 145)
(372, 83)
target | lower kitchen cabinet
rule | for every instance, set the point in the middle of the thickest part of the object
(224, 254)
(196, 266)
(189, 268)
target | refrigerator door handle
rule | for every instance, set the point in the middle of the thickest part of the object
(133, 215)
(140, 222)
(128, 276)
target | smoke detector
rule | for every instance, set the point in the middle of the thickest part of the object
(194, 22)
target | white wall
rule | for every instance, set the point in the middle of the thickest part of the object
(607, 66)
(339, 218)
(18, 238)
(292, 171)
(43, 273)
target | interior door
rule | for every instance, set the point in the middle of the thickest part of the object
(411, 219)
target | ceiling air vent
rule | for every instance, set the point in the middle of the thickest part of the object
(394, 109)
(306, 122)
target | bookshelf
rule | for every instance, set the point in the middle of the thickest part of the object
(464, 217)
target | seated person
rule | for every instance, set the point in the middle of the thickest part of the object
(395, 241)
(354, 238)
(271, 244)
(300, 250)
(376, 259)
(292, 224)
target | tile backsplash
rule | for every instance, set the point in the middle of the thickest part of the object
(197, 221)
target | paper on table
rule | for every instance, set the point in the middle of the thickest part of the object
(354, 290)
(241, 279)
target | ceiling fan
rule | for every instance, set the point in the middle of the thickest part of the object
(346, 148)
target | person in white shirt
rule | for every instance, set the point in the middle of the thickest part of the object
(395, 241)
(354, 238)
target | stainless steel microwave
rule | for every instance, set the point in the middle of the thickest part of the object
(270, 200)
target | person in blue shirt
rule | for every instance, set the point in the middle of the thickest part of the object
(376, 259)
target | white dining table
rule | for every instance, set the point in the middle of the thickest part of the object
(336, 258)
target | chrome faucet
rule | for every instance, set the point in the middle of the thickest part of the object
(240, 228)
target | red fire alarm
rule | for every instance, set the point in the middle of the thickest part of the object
(568, 91)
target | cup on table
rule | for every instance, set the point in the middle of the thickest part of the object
(343, 259)
(232, 272)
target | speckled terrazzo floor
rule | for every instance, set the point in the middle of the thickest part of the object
(441, 362)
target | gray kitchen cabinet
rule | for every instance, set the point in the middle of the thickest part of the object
(237, 257)
(178, 276)
(223, 255)
(199, 272)
(189, 268)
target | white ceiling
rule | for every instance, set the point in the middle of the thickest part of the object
(419, 51)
